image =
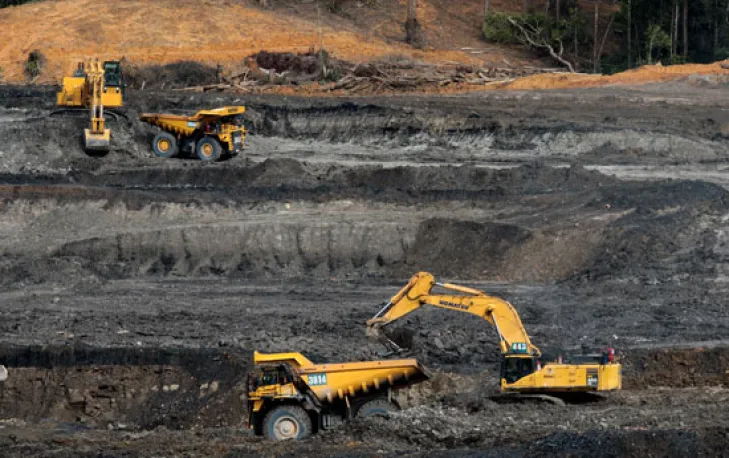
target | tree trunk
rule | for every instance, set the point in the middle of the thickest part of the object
(604, 38)
(638, 44)
(674, 46)
(413, 34)
(630, 34)
(412, 10)
(322, 64)
(557, 8)
(685, 29)
(650, 50)
(673, 38)
(594, 45)
(716, 30)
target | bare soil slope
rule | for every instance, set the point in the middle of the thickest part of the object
(224, 32)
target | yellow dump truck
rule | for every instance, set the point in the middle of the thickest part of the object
(210, 134)
(289, 397)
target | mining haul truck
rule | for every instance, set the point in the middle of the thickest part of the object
(289, 397)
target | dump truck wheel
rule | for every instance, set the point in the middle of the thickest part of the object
(374, 408)
(287, 422)
(209, 149)
(165, 145)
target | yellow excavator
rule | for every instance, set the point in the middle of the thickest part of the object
(94, 86)
(521, 368)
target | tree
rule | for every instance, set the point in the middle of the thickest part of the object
(536, 32)
(656, 39)
(685, 29)
(698, 29)
(594, 41)
(630, 34)
(413, 34)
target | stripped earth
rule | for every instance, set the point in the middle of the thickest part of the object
(133, 290)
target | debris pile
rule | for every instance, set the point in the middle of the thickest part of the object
(265, 69)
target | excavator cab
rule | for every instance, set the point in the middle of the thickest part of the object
(514, 368)
(113, 75)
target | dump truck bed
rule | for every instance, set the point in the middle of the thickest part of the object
(186, 125)
(339, 380)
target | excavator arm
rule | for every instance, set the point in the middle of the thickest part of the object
(97, 137)
(498, 312)
(94, 86)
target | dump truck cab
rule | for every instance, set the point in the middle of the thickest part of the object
(289, 397)
(272, 382)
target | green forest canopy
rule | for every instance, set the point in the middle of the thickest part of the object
(638, 31)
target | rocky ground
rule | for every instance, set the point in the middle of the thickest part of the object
(133, 289)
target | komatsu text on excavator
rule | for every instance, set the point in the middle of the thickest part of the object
(521, 368)
(94, 86)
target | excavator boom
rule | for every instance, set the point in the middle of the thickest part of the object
(500, 313)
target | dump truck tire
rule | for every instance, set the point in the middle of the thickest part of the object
(165, 145)
(287, 422)
(208, 149)
(376, 407)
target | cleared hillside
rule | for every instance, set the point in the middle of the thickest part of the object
(224, 32)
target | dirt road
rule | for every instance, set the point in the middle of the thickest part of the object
(131, 286)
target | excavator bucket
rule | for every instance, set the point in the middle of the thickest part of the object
(402, 337)
(97, 142)
(397, 340)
